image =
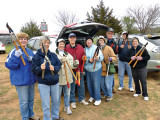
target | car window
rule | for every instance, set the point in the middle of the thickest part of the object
(36, 45)
(31, 43)
(154, 40)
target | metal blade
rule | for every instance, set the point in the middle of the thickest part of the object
(9, 28)
(44, 49)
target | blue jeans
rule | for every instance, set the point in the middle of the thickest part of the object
(66, 92)
(106, 85)
(26, 100)
(94, 83)
(122, 66)
(45, 92)
(81, 90)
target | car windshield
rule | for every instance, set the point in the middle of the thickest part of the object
(154, 40)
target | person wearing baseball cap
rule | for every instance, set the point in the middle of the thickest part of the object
(112, 43)
(77, 52)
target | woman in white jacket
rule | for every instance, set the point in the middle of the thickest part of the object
(64, 57)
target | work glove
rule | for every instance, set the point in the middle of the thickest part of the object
(18, 53)
(91, 60)
(29, 58)
(63, 59)
(110, 59)
(97, 57)
(75, 63)
(84, 58)
(133, 58)
(139, 58)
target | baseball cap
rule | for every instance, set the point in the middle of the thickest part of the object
(71, 34)
(125, 32)
(110, 30)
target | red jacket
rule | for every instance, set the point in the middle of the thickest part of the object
(77, 51)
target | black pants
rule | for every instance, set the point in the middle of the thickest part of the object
(140, 74)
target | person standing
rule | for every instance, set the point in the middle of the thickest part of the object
(22, 77)
(139, 72)
(93, 75)
(125, 46)
(77, 51)
(64, 57)
(49, 84)
(112, 43)
(106, 80)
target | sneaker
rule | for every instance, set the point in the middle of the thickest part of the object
(34, 118)
(73, 105)
(84, 102)
(68, 110)
(136, 95)
(59, 118)
(146, 98)
(131, 89)
(91, 99)
(97, 102)
(120, 88)
(109, 99)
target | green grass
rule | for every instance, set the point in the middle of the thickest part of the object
(9, 48)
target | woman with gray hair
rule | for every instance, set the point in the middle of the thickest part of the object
(46, 65)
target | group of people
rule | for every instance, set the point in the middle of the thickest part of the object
(62, 70)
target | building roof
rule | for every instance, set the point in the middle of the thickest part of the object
(4, 32)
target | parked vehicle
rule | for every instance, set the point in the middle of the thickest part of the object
(34, 42)
(2, 48)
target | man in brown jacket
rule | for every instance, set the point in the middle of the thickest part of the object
(107, 79)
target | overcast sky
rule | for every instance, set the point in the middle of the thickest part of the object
(18, 12)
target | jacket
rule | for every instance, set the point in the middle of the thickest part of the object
(62, 74)
(20, 75)
(78, 52)
(112, 44)
(107, 52)
(89, 53)
(38, 59)
(123, 51)
(140, 64)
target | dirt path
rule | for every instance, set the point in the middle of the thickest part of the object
(123, 106)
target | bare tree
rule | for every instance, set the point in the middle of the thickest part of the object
(63, 18)
(145, 18)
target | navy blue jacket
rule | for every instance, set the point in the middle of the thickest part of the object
(123, 52)
(20, 74)
(112, 43)
(38, 59)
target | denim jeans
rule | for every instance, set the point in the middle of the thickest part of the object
(26, 100)
(66, 92)
(140, 75)
(94, 83)
(122, 66)
(45, 92)
(106, 85)
(81, 89)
